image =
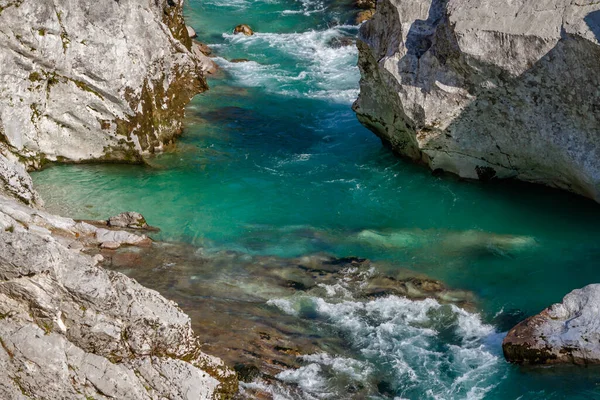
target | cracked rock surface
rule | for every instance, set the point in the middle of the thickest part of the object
(487, 89)
(91, 80)
(71, 329)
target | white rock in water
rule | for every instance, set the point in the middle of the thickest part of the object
(487, 88)
(567, 332)
(130, 219)
(191, 32)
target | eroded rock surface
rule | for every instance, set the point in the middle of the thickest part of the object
(567, 332)
(487, 89)
(70, 329)
(85, 80)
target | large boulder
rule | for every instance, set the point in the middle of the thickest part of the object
(567, 332)
(90, 80)
(487, 88)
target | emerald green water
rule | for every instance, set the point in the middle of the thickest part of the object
(273, 161)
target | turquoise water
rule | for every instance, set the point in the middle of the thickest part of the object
(273, 161)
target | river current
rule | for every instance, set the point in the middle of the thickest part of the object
(273, 163)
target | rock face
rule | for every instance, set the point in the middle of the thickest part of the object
(486, 88)
(567, 332)
(70, 329)
(83, 80)
(86, 81)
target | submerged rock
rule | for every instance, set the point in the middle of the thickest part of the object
(567, 332)
(341, 41)
(236, 315)
(487, 89)
(243, 28)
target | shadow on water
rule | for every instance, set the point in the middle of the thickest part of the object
(593, 22)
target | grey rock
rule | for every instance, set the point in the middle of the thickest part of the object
(83, 80)
(110, 245)
(118, 237)
(567, 332)
(487, 89)
(207, 65)
(130, 219)
(70, 329)
(14, 179)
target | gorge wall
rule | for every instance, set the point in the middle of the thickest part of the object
(487, 89)
(102, 81)
(90, 81)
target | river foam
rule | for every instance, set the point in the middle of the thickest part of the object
(320, 68)
(400, 347)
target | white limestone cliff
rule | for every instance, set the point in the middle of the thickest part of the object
(487, 89)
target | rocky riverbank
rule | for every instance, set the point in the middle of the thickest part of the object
(90, 82)
(71, 329)
(94, 82)
(486, 90)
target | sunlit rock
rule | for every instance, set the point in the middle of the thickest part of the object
(83, 80)
(69, 328)
(487, 89)
(566, 332)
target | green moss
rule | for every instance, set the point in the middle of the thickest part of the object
(18, 382)
(42, 32)
(52, 79)
(47, 327)
(10, 229)
(173, 18)
(122, 154)
(85, 87)
(35, 113)
(64, 37)
(35, 77)
(65, 40)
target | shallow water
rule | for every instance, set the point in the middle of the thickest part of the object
(273, 162)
